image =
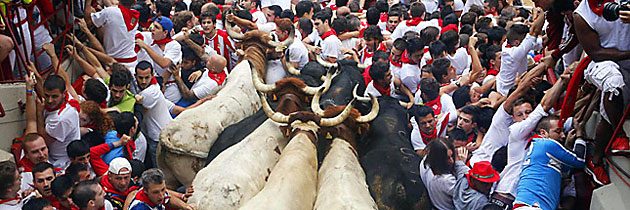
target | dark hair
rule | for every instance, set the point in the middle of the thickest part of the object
(440, 68)
(524, 13)
(446, 11)
(437, 156)
(55, 82)
(31, 137)
(437, 48)
(245, 15)
(208, 14)
(477, 9)
(316, 7)
(373, 15)
(382, 6)
(340, 24)
(354, 6)
(41, 167)
(323, 16)
(378, 70)
(419, 111)
(197, 38)
(457, 134)
(124, 122)
(394, 12)
(73, 171)
(341, 3)
(400, 44)
(144, 65)
(61, 184)
(95, 91)
(373, 32)
(502, 21)
(450, 39)
(484, 119)
(303, 7)
(306, 25)
(379, 54)
(483, 23)
(414, 45)
(7, 176)
(120, 78)
(83, 193)
(429, 34)
(144, 10)
(466, 29)
(545, 123)
(218, 2)
(137, 167)
(287, 13)
(469, 18)
(517, 32)
(450, 19)
(408, 35)
(93, 138)
(354, 23)
(126, 3)
(495, 34)
(188, 54)
(471, 110)
(509, 12)
(430, 89)
(195, 6)
(180, 19)
(36, 204)
(163, 7)
(180, 6)
(276, 10)
(492, 3)
(461, 96)
(417, 9)
(77, 148)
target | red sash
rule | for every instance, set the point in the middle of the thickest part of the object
(329, 33)
(435, 105)
(130, 16)
(571, 96)
(413, 21)
(17, 198)
(108, 187)
(368, 54)
(74, 103)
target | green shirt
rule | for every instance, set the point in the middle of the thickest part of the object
(126, 103)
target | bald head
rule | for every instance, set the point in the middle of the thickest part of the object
(206, 7)
(216, 63)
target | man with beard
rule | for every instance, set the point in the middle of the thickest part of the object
(117, 183)
(119, 83)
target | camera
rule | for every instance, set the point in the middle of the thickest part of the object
(611, 9)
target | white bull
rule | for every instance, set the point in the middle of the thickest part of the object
(185, 141)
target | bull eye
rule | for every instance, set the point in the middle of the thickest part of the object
(402, 134)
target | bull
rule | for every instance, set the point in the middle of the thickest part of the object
(292, 183)
(185, 142)
(240, 172)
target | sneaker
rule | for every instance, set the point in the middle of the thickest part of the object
(597, 172)
(620, 146)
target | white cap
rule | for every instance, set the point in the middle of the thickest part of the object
(119, 166)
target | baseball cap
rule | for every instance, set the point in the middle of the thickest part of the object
(119, 166)
(165, 22)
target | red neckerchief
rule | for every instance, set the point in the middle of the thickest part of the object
(162, 41)
(368, 54)
(129, 147)
(130, 16)
(218, 77)
(140, 37)
(472, 137)
(430, 61)
(74, 103)
(333, 7)
(396, 64)
(142, 196)
(440, 22)
(58, 206)
(434, 135)
(381, 90)
(17, 198)
(435, 105)
(413, 21)
(508, 45)
(51, 198)
(597, 6)
(529, 141)
(383, 17)
(329, 33)
(26, 164)
(568, 104)
(108, 187)
(405, 59)
(253, 10)
(493, 72)
(153, 81)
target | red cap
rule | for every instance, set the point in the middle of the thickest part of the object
(483, 172)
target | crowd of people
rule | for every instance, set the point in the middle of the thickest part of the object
(495, 89)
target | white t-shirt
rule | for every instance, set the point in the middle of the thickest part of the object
(469, 4)
(431, 5)
(612, 34)
(141, 148)
(513, 61)
(298, 53)
(495, 137)
(350, 43)
(416, 138)
(117, 40)
(519, 134)
(275, 71)
(460, 60)
(284, 4)
(267, 27)
(17, 203)
(410, 76)
(440, 187)
(458, 5)
(205, 86)
(157, 115)
(173, 52)
(259, 17)
(64, 127)
(331, 47)
(371, 89)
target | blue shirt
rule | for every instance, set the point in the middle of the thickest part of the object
(111, 137)
(540, 178)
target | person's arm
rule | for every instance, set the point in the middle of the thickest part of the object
(85, 66)
(589, 40)
(90, 57)
(537, 26)
(348, 35)
(102, 57)
(525, 84)
(566, 156)
(88, 12)
(241, 22)
(50, 50)
(552, 95)
(94, 43)
(195, 47)
(30, 112)
(157, 58)
(405, 91)
(178, 203)
(183, 89)
(98, 165)
(475, 67)
(41, 122)
(460, 167)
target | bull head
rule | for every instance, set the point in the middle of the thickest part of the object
(281, 118)
(261, 86)
(315, 107)
(366, 99)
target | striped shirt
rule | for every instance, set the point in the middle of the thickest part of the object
(221, 44)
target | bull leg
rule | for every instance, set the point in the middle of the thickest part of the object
(171, 180)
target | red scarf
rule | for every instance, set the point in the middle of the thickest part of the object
(142, 196)
(405, 59)
(597, 6)
(529, 141)
(130, 16)
(368, 54)
(435, 105)
(383, 17)
(74, 103)
(472, 137)
(329, 33)
(218, 77)
(162, 41)
(108, 187)
(26, 164)
(413, 21)
(140, 37)
(381, 90)
(333, 7)
(568, 105)
(129, 147)
(427, 137)
(396, 64)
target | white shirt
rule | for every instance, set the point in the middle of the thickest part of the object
(141, 148)
(410, 76)
(284, 4)
(431, 5)
(64, 128)
(298, 53)
(513, 61)
(267, 27)
(157, 115)
(416, 138)
(331, 47)
(495, 137)
(205, 86)
(275, 71)
(173, 52)
(440, 187)
(350, 43)
(612, 34)
(17, 203)
(117, 40)
(469, 4)
(259, 17)
(371, 89)
(458, 5)
(519, 134)
(400, 30)
(460, 60)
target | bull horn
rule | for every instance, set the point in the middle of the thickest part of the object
(315, 107)
(326, 85)
(356, 96)
(373, 113)
(286, 42)
(232, 33)
(275, 116)
(329, 122)
(324, 63)
(323, 77)
(258, 83)
(290, 68)
(404, 104)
